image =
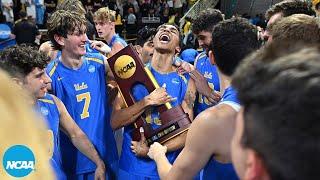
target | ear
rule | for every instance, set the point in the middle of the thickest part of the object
(255, 167)
(177, 50)
(59, 39)
(113, 24)
(17, 81)
(211, 57)
(138, 48)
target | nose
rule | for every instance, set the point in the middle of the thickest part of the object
(84, 37)
(46, 79)
(97, 26)
(200, 43)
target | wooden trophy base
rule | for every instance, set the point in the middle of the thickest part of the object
(174, 122)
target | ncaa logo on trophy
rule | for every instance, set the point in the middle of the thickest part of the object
(125, 66)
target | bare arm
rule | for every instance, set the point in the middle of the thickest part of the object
(122, 116)
(79, 138)
(197, 151)
(187, 105)
(189, 98)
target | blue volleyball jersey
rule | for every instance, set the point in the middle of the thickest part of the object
(229, 97)
(118, 39)
(215, 170)
(50, 112)
(210, 72)
(176, 86)
(83, 92)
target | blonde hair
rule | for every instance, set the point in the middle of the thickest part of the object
(21, 126)
(105, 14)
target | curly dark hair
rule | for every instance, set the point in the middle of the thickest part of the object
(206, 20)
(289, 7)
(20, 60)
(144, 34)
(280, 96)
(232, 40)
(63, 23)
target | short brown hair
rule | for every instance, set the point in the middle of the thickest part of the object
(62, 23)
(298, 27)
(289, 7)
(105, 14)
(72, 5)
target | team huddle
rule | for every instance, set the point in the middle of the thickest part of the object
(253, 108)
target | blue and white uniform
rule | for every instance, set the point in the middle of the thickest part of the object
(49, 110)
(117, 39)
(83, 92)
(210, 72)
(131, 166)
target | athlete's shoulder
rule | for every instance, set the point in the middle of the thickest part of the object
(52, 67)
(47, 98)
(94, 58)
(120, 40)
(200, 57)
(208, 124)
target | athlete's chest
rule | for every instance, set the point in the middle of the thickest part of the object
(87, 79)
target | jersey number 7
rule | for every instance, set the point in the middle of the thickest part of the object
(87, 98)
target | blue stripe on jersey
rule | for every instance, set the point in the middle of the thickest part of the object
(210, 72)
(50, 112)
(176, 87)
(83, 92)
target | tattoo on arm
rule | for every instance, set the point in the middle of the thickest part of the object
(190, 98)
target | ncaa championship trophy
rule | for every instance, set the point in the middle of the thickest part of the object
(129, 71)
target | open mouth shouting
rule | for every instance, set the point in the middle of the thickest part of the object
(164, 38)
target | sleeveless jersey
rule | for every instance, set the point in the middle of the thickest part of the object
(117, 38)
(50, 112)
(210, 72)
(176, 86)
(83, 92)
(215, 170)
